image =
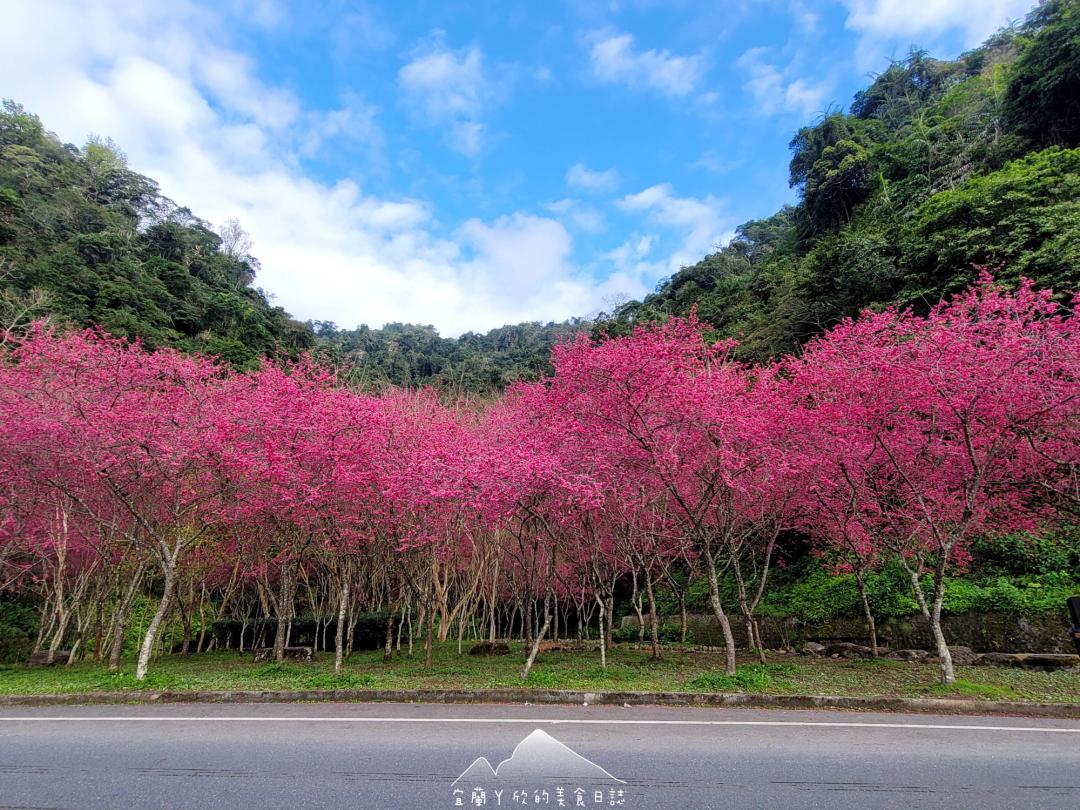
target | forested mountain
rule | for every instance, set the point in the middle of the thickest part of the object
(410, 354)
(937, 166)
(86, 240)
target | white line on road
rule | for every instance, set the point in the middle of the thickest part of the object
(530, 721)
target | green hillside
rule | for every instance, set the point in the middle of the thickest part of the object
(86, 240)
(936, 167)
(410, 354)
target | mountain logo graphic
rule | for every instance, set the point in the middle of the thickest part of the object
(539, 758)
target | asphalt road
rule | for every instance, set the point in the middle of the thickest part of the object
(375, 756)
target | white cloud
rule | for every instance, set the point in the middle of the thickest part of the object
(633, 250)
(581, 176)
(699, 223)
(580, 217)
(359, 33)
(614, 59)
(446, 87)
(230, 77)
(152, 76)
(446, 83)
(888, 19)
(805, 17)
(466, 137)
(712, 161)
(774, 93)
(354, 122)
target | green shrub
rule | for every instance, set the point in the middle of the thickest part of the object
(1025, 555)
(668, 633)
(18, 628)
(671, 632)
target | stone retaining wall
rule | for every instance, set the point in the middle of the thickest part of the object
(982, 632)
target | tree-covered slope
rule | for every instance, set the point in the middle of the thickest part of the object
(85, 240)
(936, 167)
(409, 354)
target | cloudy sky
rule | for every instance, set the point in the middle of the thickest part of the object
(465, 164)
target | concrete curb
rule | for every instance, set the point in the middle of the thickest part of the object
(542, 696)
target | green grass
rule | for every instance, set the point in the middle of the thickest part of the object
(748, 678)
(984, 691)
(628, 670)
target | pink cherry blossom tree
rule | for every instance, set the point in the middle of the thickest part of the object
(942, 423)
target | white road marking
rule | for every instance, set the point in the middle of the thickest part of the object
(530, 721)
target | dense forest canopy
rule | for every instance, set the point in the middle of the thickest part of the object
(936, 167)
(404, 354)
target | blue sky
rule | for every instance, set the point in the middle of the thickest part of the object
(465, 164)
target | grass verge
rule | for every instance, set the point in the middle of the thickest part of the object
(628, 670)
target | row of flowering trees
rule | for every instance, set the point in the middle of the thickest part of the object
(891, 437)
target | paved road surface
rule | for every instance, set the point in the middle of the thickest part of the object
(403, 756)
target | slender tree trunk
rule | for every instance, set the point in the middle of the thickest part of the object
(654, 620)
(117, 647)
(159, 617)
(603, 635)
(718, 610)
(948, 675)
(202, 620)
(410, 634)
(350, 630)
(388, 647)
(609, 628)
(339, 635)
(869, 614)
(185, 619)
(58, 636)
(683, 621)
(45, 623)
(74, 650)
(284, 611)
(185, 616)
(99, 630)
(429, 641)
(460, 630)
(635, 600)
(755, 640)
(535, 648)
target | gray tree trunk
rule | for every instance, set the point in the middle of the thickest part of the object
(159, 617)
(535, 647)
(339, 636)
(654, 620)
(718, 611)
